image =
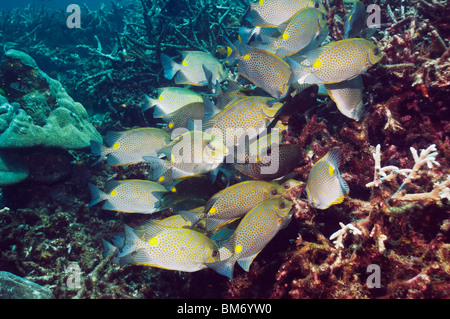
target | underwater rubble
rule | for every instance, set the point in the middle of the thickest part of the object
(393, 223)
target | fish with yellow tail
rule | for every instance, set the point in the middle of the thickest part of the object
(295, 34)
(271, 13)
(235, 201)
(334, 62)
(128, 147)
(170, 99)
(130, 196)
(253, 233)
(247, 115)
(166, 247)
(194, 69)
(264, 69)
(325, 186)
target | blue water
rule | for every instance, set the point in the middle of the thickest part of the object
(52, 4)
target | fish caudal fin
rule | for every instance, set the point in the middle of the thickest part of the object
(158, 165)
(108, 248)
(98, 149)
(131, 242)
(231, 59)
(224, 267)
(149, 103)
(170, 66)
(97, 195)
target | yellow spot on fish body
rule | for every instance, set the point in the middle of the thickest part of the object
(212, 211)
(160, 97)
(184, 63)
(116, 146)
(246, 57)
(317, 64)
(161, 179)
(173, 190)
(153, 241)
(285, 36)
(113, 193)
(170, 125)
(172, 158)
(331, 170)
(261, 2)
(238, 249)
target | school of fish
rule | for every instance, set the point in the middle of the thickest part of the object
(223, 138)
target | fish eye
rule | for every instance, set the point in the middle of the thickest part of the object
(286, 186)
(376, 51)
(273, 191)
(211, 147)
(323, 16)
(282, 205)
(316, 5)
(215, 253)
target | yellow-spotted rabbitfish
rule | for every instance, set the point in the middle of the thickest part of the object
(264, 69)
(248, 115)
(193, 68)
(191, 153)
(355, 21)
(296, 33)
(237, 200)
(168, 248)
(348, 96)
(271, 13)
(325, 186)
(253, 233)
(171, 99)
(274, 162)
(128, 147)
(335, 62)
(181, 117)
(130, 196)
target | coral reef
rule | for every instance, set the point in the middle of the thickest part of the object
(388, 239)
(42, 113)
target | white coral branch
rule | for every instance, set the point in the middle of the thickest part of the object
(388, 173)
(341, 233)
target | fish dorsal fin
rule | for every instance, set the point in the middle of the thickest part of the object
(212, 223)
(152, 230)
(334, 157)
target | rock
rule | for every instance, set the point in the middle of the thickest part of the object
(40, 112)
(15, 287)
(12, 171)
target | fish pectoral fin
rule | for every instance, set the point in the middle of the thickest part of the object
(141, 257)
(212, 223)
